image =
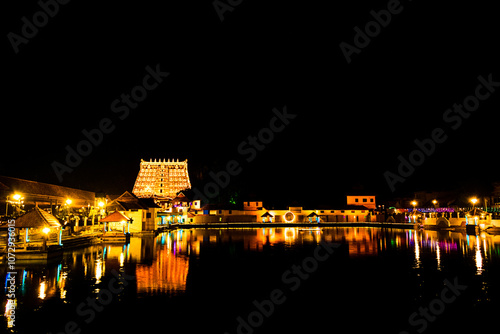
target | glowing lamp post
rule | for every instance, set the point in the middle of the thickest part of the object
(45, 231)
(473, 201)
(102, 213)
(414, 203)
(16, 197)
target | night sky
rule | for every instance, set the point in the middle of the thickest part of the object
(350, 121)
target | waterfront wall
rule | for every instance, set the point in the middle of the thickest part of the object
(444, 222)
(456, 222)
(299, 218)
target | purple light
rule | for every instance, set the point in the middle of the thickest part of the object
(432, 209)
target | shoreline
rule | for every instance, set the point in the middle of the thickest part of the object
(273, 225)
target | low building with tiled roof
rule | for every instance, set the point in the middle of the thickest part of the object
(142, 211)
(33, 193)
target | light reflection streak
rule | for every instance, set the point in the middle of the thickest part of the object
(417, 252)
(41, 290)
(478, 258)
(438, 256)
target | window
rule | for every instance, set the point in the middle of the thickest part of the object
(220, 212)
(342, 211)
(356, 200)
(371, 200)
(322, 212)
(148, 215)
(352, 211)
(230, 212)
(364, 200)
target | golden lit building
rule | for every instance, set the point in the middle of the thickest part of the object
(366, 201)
(161, 179)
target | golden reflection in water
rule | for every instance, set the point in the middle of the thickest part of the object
(417, 251)
(476, 248)
(98, 270)
(169, 268)
(62, 275)
(162, 263)
(41, 290)
(167, 274)
(290, 235)
(479, 258)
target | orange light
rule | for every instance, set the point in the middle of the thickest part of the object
(289, 213)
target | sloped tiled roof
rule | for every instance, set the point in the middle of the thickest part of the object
(128, 201)
(27, 188)
(115, 217)
(37, 218)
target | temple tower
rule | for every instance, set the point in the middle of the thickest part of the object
(161, 179)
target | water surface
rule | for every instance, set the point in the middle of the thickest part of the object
(213, 280)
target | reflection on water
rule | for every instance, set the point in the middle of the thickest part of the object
(161, 265)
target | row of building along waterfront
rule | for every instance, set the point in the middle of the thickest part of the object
(160, 198)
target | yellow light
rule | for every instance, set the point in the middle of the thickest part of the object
(69, 201)
(101, 204)
(41, 293)
(289, 213)
(414, 203)
(473, 200)
(46, 230)
(434, 202)
(17, 197)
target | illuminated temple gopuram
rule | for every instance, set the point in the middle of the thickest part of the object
(161, 179)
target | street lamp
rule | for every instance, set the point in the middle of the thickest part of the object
(16, 197)
(474, 201)
(46, 231)
(67, 212)
(414, 203)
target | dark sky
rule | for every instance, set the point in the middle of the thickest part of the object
(226, 77)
